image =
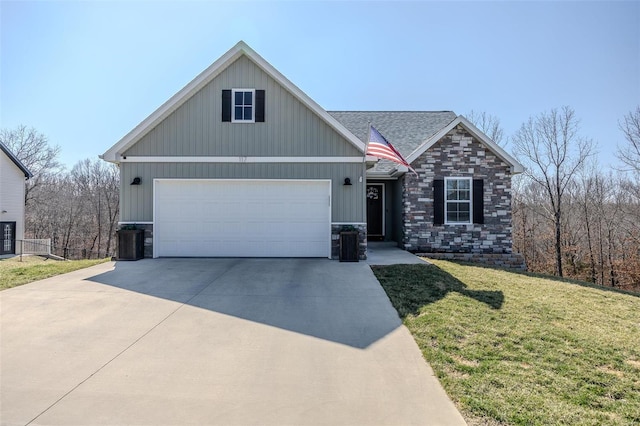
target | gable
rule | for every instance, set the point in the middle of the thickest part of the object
(477, 135)
(461, 154)
(190, 123)
(196, 127)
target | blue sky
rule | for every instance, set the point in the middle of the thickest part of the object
(86, 73)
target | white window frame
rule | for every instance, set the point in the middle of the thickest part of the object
(233, 105)
(446, 200)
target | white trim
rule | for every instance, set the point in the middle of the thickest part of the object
(329, 187)
(233, 105)
(516, 167)
(237, 159)
(348, 223)
(240, 49)
(383, 208)
(390, 175)
(139, 222)
(446, 221)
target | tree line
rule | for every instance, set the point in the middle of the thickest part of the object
(571, 218)
(78, 208)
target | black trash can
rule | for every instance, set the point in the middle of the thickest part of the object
(349, 246)
(130, 244)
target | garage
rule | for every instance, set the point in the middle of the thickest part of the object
(241, 218)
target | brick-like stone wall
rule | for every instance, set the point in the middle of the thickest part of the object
(499, 260)
(362, 239)
(148, 239)
(457, 154)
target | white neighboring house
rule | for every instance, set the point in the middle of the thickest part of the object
(13, 177)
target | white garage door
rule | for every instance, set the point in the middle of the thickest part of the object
(242, 218)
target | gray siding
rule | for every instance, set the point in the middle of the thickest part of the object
(196, 128)
(136, 201)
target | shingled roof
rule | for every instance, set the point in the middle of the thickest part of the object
(406, 130)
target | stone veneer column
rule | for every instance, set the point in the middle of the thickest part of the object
(362, 239)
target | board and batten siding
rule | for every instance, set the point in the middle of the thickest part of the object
(348, 202)
(196, 127)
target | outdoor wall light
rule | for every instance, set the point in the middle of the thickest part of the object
(136, 181)
(347, 181)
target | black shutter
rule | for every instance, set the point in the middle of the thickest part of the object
(478, 201)
(259, 106)
(226, 105)
(438, 201)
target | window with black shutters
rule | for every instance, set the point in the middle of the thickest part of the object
(243, 105)
(458, 201)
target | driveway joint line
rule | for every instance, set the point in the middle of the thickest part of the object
(129, 346)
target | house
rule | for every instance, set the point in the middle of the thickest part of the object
(13, 175)
(241, 162)
(459, 204)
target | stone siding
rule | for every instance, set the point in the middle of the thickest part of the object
(335, 240)
(457, 154)
(499, 260)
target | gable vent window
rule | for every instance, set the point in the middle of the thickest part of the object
(243, 106)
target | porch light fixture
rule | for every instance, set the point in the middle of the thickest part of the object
(347, 182)
(136, 181)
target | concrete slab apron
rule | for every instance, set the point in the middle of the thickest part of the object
(213, 341)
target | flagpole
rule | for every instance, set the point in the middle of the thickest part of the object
(366, 147)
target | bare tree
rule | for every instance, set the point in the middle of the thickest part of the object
(33, 150)
(98, 183)
(489, 124)
(629, 154)
(552, 150)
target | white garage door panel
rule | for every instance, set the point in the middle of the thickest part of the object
(244, 218)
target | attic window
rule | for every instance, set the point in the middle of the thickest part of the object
(243, 105)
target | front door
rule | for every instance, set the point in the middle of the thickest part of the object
(375, 210)
(8, 237)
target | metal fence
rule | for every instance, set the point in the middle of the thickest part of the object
(40, 247)
(43, 247)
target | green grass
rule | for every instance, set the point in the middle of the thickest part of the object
(13, 272)
(517, 349)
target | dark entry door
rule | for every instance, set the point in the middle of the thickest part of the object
(7, 237)
(375, 205)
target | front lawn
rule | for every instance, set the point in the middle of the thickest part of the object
(13, 272)
(512, 348)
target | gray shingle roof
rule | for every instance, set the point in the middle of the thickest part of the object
(406, 130)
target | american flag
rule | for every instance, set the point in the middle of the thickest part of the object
(379, 147)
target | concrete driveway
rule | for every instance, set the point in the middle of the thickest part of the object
(213, 341)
